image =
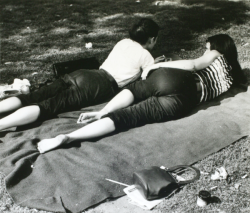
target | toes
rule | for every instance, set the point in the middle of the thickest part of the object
(40, 147)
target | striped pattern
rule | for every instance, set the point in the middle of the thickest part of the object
(215, 79)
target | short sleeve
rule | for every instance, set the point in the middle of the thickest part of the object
(147, 60)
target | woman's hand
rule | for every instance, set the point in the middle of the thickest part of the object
(148, 69)
(160, 59)
(89, 117)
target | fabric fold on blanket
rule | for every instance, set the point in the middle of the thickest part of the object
(72, 178)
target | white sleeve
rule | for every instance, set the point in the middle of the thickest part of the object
(147, 60)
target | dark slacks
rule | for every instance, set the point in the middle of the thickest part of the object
(166, 94)
(74, 91)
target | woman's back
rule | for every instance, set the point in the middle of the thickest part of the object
(215, 79)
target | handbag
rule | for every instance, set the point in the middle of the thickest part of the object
(155, 182)
(62, 68)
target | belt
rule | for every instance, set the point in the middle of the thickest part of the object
(198, 87)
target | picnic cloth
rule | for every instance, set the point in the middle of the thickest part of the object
(72, 178)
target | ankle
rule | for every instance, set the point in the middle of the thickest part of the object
(63, 138)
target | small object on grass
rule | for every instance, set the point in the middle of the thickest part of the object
(113, 181)
(219, 174)
(8, 63)
(137, 1)
(88, 45)
(237, 185)
(34, 73)
(204, 173)
(244, 176)
(203, 197)
(229, 179)
(214, 187)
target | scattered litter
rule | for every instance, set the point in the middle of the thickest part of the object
(137, 1)
(203, 197)
(214, 187)
(71, 5)
(182, 49)
(244, 176)
(237, 185)
(136, 198)
(223, 19)
(34, 73)
(8, 63)
(18, 87)
(204, 173)
(32, 166)
(113, 181)
(220, 174)
(246, 44)
(88, 45)
(18, 83)
(230, 179)
(161, 3)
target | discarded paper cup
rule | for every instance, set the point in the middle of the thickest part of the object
(203, 197)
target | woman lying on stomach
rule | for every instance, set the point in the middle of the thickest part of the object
(170, 91)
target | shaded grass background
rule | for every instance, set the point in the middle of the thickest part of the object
(35, 34)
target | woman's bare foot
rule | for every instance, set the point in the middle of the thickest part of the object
(52, 143)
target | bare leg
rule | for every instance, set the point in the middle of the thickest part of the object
(20, 117)
(10, 104)
(95, 129)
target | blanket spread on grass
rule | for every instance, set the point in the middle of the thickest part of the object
(71, 179)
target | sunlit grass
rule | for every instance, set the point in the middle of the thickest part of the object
(36, 34)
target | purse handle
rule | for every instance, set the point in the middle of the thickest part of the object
(174, 168)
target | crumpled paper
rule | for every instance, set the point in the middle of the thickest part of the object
(89, 45)
(219, 174)
(18, 87)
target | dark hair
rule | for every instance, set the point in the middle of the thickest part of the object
(143, 30)
(225, 45)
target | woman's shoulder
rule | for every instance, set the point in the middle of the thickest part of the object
(212, 54)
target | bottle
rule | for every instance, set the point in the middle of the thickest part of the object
(203, 197)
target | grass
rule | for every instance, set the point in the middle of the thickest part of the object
(36, 34)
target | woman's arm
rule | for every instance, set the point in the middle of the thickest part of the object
(189, 65)
(121, 100)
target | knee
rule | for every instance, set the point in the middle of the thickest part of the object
(33, 110)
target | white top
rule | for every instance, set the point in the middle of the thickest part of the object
(126, 61)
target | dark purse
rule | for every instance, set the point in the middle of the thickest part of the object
(155, 183)
(62, 68)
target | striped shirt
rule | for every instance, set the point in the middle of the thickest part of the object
(215, 79)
